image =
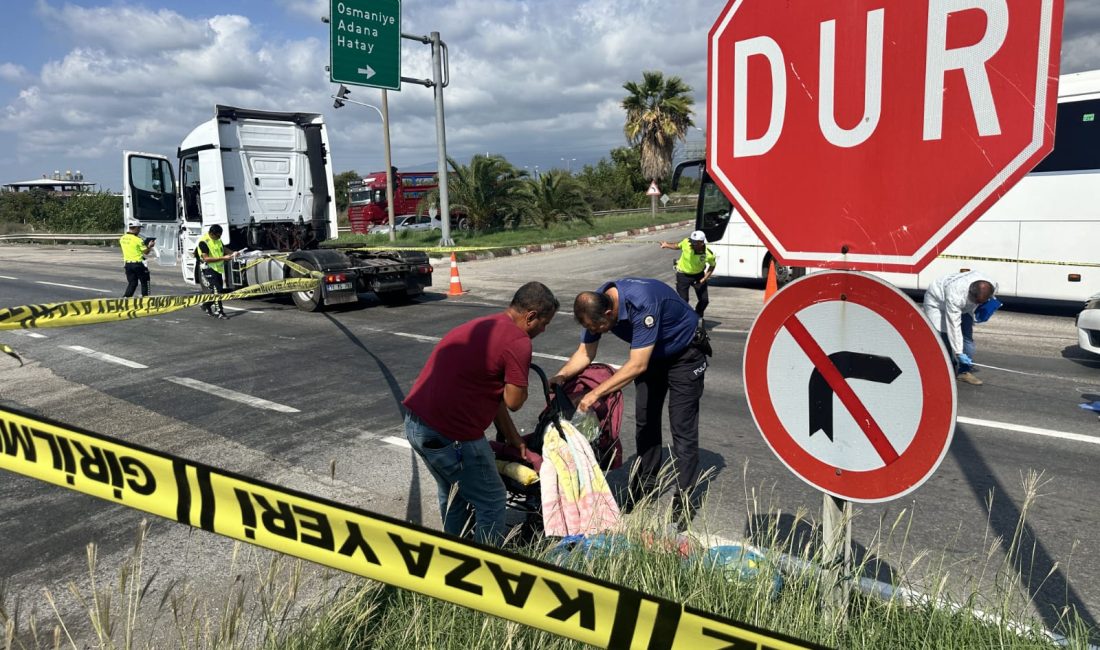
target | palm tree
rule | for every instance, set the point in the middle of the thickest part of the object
(658, 112)
(557, 195)
(490, 191)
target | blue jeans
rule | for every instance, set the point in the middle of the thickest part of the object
(968, 341)
(967, 327)
(472, 467)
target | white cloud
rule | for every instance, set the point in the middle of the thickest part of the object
(13, 73)
(123, 29)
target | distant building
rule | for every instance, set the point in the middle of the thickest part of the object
(65, 184)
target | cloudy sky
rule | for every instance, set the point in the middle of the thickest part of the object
(538, 81)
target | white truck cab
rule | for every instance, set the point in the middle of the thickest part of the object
(266, 178)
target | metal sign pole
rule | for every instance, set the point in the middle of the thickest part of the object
(836, 538)
(389, 165)
(441, 141)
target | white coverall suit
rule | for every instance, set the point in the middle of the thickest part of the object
(947, 302)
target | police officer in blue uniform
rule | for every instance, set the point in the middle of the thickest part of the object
(668, 358)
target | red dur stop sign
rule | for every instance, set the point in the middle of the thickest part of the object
(869, 134)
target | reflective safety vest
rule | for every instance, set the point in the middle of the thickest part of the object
(214, 248)
(133, 248)
(691, 262)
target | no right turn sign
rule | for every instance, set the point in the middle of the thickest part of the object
(850, 386)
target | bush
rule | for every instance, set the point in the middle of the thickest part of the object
(91, 212)
(98, 212)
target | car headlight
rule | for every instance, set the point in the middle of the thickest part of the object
(1093, 303)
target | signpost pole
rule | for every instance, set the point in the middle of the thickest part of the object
(389, 165)
(441, 142)
(836, 537)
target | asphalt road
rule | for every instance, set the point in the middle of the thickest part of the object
(344, 373)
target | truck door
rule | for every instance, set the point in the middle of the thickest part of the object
(149, 196)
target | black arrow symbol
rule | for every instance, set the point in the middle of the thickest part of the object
(851, 365)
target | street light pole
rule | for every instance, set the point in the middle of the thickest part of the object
(341, 97)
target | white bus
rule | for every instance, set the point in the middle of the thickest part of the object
(1041, 240)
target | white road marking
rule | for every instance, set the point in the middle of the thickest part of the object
(7, 277)
(251, 311)
(232, 395)
(435, 339)
(103, 356)
(418, 337)
(73, 286)
(397, 442)
(33, 335)
(1036, 431)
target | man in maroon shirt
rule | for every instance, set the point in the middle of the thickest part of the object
(474, 376)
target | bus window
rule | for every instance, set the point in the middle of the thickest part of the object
(1077, 139)
(714, 211)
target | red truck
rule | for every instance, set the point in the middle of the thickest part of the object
(367, 199)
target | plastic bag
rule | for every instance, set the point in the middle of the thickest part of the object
(587, 423)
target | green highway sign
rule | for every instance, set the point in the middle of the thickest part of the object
(365, 43)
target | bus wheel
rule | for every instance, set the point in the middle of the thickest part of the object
(785, 274)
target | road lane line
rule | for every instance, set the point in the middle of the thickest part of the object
(103, 356)
(231, 395)
(7, 277)
(435, 339)
(397, 442)
(251, 311)
(73, 286)
(33, 335)
(418, 337)
(1020, 428)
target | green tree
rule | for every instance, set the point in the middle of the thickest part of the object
(557, 196)
(88, 212)
(658, 113)
(490, 191)
(31, 210)
(340, 186)
(616, 183)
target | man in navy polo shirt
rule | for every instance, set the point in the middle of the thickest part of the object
(668, 350)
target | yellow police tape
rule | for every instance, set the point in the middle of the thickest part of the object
(971, 258)
(109, 310)
(11, 353)
(490, 580)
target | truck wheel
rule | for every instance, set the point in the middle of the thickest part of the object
(306, 300)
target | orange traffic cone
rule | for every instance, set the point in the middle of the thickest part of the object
(456, 282)
(772, 286)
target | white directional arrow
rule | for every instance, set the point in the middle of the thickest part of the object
(369, 71)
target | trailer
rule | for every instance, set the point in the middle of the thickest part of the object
(266, 178)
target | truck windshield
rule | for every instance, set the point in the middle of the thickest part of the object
(357, 197)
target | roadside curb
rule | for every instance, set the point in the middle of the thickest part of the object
(583, 241)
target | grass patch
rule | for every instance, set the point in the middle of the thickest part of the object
(274, 602)
(527, 236)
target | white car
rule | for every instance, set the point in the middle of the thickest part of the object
(412, 222)
(1088, 326)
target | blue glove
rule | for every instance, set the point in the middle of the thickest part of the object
(965, 360)
(985, 310)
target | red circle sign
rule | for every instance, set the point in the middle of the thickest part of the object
(850, 386)
(869, 134)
